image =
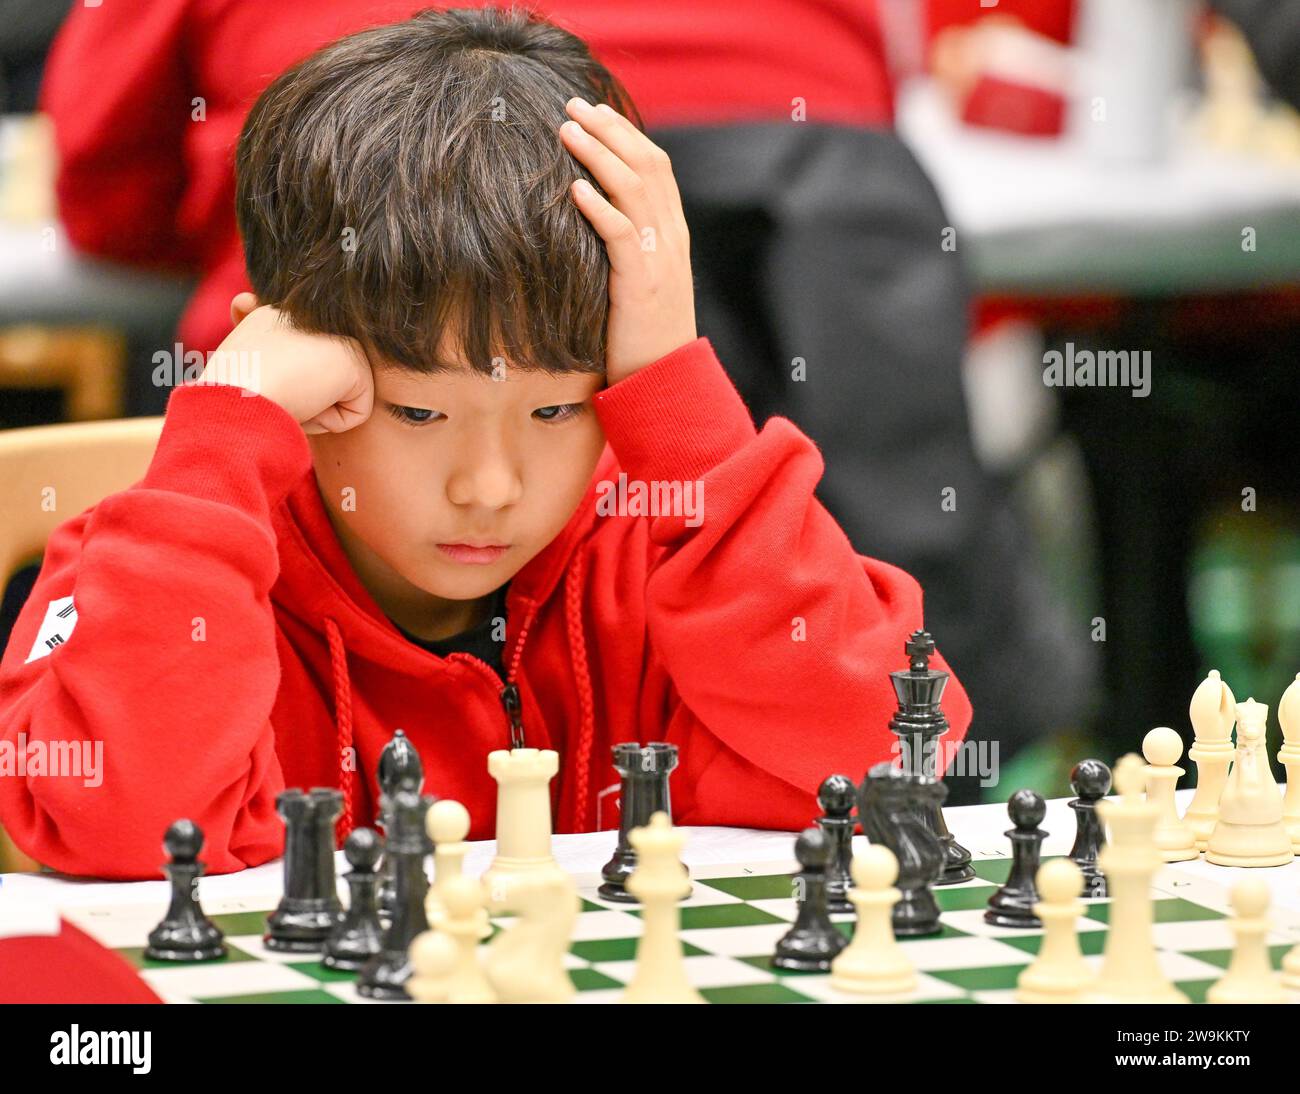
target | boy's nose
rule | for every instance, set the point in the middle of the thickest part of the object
(490, 485)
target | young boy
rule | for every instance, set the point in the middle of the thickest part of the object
(464, 468)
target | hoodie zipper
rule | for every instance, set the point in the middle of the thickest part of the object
(514, 708)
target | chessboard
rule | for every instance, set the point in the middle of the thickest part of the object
(729, 927)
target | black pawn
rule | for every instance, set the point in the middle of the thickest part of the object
(310, 906)
(1013, 904)
(837, 797)
(643, 775)
(185, 933)
(400, 769)
(1090, 780)
(812, 943)
(385, 975)
(892, 806)
(359, 934)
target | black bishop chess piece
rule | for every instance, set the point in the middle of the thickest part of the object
(400, 770)
(310, 906)
(185, 933)
(385, 975)
(919, 723)
(643, 776)
(358, 936)
(1013, 904)
(814, 941)
(1090, 780)
(891, 807)
(837, 797)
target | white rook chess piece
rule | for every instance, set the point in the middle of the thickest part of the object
(1162, 748)
(1213, 711)
(659, 881)
(1130, 969)
(1250, 977)
(447, 823)
(1288, 715)
(1250, 831)
(873, 963)
(523, 777)
(1059, 974)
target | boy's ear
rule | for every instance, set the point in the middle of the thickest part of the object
(240, 306)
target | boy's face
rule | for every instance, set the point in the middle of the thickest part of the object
(457, 458)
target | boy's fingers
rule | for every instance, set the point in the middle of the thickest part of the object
(633, 147)
(615, 177)
(618, 232)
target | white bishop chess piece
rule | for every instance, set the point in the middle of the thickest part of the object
(1250, 831)
(1288, 716)
(1213, 712)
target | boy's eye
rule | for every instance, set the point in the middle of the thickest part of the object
(559, 413)
(410, 415)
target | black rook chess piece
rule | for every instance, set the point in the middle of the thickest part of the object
(399, 769)
(919, 723)
(812, 943)
(890, 806)
(837, 796)
(185, 933)
(1090, 780)
(358, 936)
(643, 773)
(385, 975)
(1013, 904)
(310, 906)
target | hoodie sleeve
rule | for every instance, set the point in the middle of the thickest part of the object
(155, 703)
(778, 637)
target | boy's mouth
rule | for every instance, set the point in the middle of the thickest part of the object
(474, 554)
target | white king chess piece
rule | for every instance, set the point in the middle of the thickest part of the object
(1250, 831)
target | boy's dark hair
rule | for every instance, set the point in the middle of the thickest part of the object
(412, 176)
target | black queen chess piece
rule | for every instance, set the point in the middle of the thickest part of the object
(185, 933)
(891, 807)
(310, 906)
(919, 724)
(643, 791)
(1090, 780)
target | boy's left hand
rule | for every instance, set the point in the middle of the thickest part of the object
(651, 295)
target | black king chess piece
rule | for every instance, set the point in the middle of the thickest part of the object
(1013, 904)
(891, 807)
(358, 936)
(837, 797)
(385, 975)
(814, 941)
(185, 933)
(1090, 780)
(310, 906)
(919, 723)
(400, 769)
(643, 774)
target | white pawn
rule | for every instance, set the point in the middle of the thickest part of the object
(1163, 748)
(873, 963)
(1250, 977)
(447, 823)
(1059, 973)
(1288, 716)
(465, 921)
(1250, 831)
(434, 957)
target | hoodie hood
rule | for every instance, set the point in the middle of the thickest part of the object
(319, 587)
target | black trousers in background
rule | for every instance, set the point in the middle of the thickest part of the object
(824, 243)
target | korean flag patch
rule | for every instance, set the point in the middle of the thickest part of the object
(60, 618)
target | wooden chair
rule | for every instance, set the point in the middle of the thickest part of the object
(49, 474)
(87, 364)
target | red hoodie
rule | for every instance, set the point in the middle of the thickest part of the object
(758, 641)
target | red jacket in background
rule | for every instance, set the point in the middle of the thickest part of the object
(142, 181)
(224, 648)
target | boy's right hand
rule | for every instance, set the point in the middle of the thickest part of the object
(324, 381)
